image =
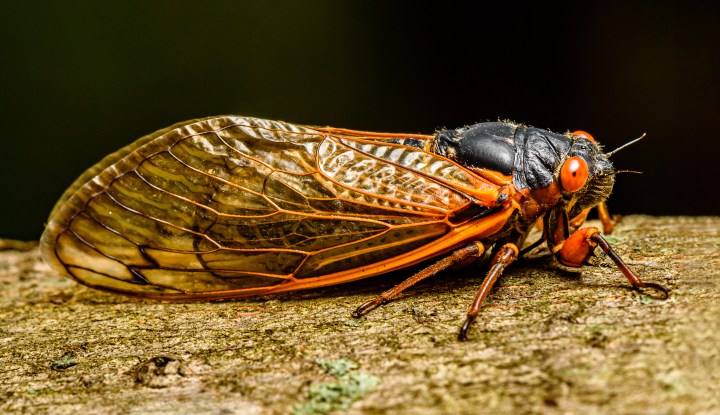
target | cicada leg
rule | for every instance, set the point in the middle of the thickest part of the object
(578, 220)
(577, 248)
(608, 222)
(504, 257)
(474, 249)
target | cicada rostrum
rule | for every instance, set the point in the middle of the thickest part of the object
(234, 206)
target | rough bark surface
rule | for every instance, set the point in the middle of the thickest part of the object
(548, 340)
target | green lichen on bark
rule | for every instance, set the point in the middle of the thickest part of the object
(339, 394)
(548, 340)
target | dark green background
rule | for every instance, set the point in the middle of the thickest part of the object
(82, 79)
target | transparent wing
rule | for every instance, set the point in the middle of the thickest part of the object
(232, 206)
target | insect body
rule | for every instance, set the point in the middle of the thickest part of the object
(234, 206)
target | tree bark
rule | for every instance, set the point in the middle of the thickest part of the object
(548, 340)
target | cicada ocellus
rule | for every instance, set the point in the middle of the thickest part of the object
(234, 206)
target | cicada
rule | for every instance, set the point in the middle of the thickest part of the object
(235, 206)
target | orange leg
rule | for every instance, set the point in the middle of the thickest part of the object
(578, 220)
(475, 249)
(579, 247)
(607, 221)
(504, 257)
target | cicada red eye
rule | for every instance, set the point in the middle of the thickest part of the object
(574, 174)
(583, 134)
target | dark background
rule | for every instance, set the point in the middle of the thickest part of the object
(82, 79)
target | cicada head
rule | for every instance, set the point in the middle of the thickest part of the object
(573, 166)
(585, 176)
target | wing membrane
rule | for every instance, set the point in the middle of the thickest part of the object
(233, 206)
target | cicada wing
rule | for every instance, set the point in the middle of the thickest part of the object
(232, 206)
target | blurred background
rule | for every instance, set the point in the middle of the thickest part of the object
(82, 79)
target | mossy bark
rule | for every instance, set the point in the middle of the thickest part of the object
(548, 340)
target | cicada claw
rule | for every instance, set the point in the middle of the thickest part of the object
(657, 287)
(367, 307)
(462, 336)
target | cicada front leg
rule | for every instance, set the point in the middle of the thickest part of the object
(608, 222)
(606, 219)
(580, 219)
(578, 248)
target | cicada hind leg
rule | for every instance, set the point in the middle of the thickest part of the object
(504, 256)
(474, 249)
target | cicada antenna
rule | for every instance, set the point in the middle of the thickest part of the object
(608, 154)
(627, 171)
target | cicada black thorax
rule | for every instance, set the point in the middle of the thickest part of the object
(532, 158)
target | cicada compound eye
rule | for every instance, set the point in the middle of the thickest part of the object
(583, 134)
(573, 174)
